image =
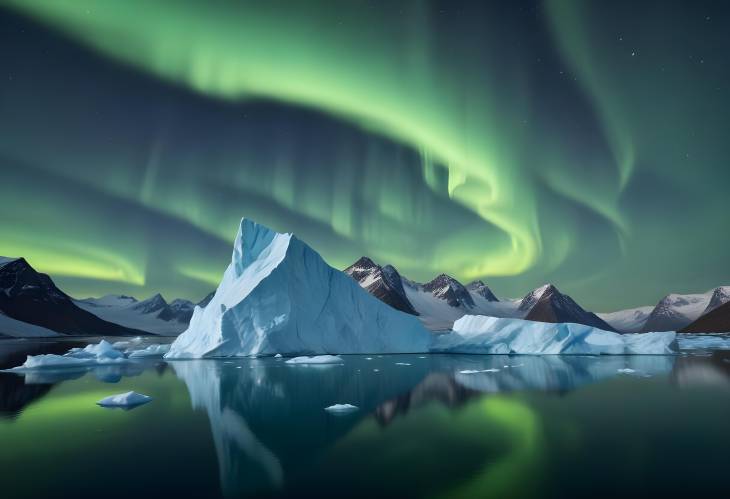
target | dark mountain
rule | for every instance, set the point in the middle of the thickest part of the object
(449, 289)
(720, 296)
(482, 289)
(547, 304)
(384, 283)
(32, 297)
(152, 304)
(715, 321)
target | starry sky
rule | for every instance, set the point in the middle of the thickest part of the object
(580, 143)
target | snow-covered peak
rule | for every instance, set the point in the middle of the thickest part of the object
(447, 288)
(482, 290)
(720, 296)
(675, 311)
(384, 283)
(533, 296)
(152, 304)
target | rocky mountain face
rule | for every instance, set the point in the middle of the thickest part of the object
(450, 290)
(33, 298)
(548, 304)
(384, 283)
(717, 320)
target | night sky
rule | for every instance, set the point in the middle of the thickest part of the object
(581, 143)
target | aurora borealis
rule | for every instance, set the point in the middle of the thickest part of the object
(582, 143)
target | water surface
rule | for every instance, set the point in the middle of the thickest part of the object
(427, 425)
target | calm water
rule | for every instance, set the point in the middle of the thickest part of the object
(538, 427)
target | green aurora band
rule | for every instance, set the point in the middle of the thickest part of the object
(449, 161)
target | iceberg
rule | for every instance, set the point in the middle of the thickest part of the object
(128, 399)
(479, 334)
(279, 296)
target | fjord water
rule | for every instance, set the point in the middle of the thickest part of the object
(427, 425)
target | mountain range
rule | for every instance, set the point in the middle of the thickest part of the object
(31, 305)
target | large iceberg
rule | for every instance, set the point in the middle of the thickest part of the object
(279, 296)
(491, 335)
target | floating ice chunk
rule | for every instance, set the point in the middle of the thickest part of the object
(154, 350)
(91, 355)
(491, 335)
(129, 399)
(627, 370)
(317, 359)
(475, 371)
(341, 408)
(277, 356)
(402, 364)
(368, 358)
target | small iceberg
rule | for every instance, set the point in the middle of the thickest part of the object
(91, 355)
(402, 364)
(341, 409)
(317, 359)
(127, 343)
(278, 356)
(128, 400)
(627, 370)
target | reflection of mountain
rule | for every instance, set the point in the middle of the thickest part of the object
(437, 387)
(15, 394)
(703, 371)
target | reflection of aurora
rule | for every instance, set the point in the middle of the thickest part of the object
(430, 142)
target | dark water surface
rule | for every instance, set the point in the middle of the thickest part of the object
(548, 426)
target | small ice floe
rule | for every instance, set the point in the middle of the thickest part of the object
(278, 356)
(317, 359)
(376, 370)
(341, 409)
(402, 364)
(476, 371)
(627, 370)
(153, 350)
(368, 358)
(128, 399)
(422, 357)
(91, 355)
(127, 343)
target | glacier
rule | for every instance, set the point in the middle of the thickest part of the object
(279, 296)
(491, 335)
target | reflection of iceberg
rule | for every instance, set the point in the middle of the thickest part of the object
(257, 412)
(703, 371)
(559, 373)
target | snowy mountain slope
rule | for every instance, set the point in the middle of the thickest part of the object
(675, 311)
(631, 320)
(279, 296)
(19, 329)
(482, 290)
(30, 297)
(154, 314)
(437, 315)
(438, 303)
(384, 283)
